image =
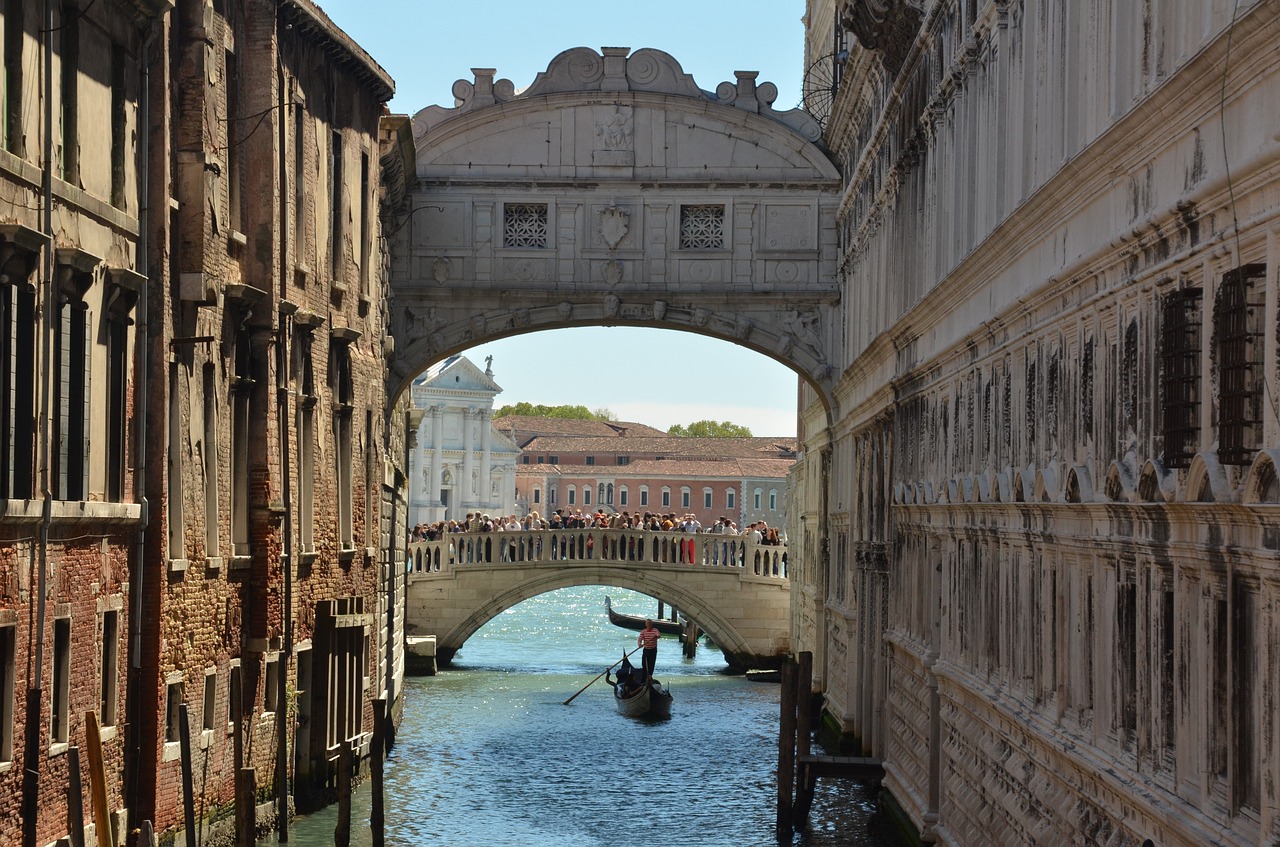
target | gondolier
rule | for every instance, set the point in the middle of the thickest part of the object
(648, 639)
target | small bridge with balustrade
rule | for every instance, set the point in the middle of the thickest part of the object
(735, 589)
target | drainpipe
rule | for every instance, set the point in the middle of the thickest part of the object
(35, 695)
(142, 346)
(286, 492)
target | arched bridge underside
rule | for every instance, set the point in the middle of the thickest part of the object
(614, 191)
(736, 591)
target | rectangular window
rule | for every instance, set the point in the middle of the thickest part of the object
(524, 460)
(702, 227)
(209, 455)
(60, 697)
(537, 496)
(14, 35)
(586, 495)
(573, 493)
(622, 496)
(237, 134)
(271, 684)
(1238, 327)
(176, 498)
(1247, 725)
(706, 499)
(299, 183)
(1180, 380)
(117, 328)
(69, 58)
(684, 498)
(773, 501)
(666, 497)
(524, 225)
(364, 247)
(173, 713)
(756, 502)
(624, 460)
(17, 390)
(553, 460)
(8, 672)
(644, 497)
(730, 498)
(110, 667)
(370, 489)
(119, 133)
(551, 493)
(344, 395)
(241, 434)
(71, 400)
(335, 204)
(590, 460)
(209, 715)
(306, 444)
(234, 696)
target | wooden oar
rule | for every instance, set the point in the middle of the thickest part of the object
(602, 673)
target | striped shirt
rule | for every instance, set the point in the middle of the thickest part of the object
(648, 638)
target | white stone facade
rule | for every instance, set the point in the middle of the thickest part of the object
(1035, 555)
(459, 463)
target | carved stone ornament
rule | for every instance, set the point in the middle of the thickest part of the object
(565, 308)
(614, 223)
(889, 26)
(521, 317)
(611, 304)
(615, 131)
(659, 309)
(701, 316)
(613, 271)
(440, 270)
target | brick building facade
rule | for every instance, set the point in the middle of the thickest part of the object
(202, 484)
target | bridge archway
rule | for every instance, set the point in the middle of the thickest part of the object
(616, 192)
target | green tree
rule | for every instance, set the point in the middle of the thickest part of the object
(580, 413)
(710, 429)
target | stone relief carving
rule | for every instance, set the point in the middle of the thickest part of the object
(424, 324)
(614, 224)
(659, 309)
(440, 270)
(613, 272)
(615, 131)
(565, 309)
(888, 26)
(804, 326)
(521, 317)
(611, 304)
(701, 316)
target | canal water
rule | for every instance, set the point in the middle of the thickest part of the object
(488, 755)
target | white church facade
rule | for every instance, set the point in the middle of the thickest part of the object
(459, 463)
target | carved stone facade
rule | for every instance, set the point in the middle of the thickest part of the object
(1036, 552)
(615, 191)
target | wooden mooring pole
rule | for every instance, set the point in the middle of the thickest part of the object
(188, 775)
(377, 819)
(786, 751)
(804, 736)
(75, 798)
(247, 794)
(98, 781)
(342, 832)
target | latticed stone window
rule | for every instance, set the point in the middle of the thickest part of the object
(1238, 327)
(1181, 377)
(524, 225)
(702, 227)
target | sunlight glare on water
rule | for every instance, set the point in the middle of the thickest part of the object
(487, 754)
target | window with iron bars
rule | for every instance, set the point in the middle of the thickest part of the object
(1238, 327)
(1181, 377)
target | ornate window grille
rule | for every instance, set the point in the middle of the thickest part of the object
(702, 227)
(524, 225)
(1238, 326)
(1181, 378)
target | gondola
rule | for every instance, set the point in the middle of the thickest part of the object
(637, 623)
(650, 699)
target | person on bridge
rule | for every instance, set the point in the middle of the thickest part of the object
(648, 639)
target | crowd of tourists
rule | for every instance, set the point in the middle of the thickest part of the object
(759, 531)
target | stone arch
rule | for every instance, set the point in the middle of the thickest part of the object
(565, 206)
(1206, 481)
(1150, 487)
(723, 632)
(1079, 486)
(1263, 482)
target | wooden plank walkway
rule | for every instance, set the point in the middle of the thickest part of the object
(842, 767)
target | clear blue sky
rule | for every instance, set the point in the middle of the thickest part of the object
(427, 44)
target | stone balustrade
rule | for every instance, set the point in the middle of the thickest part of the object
(595, 546)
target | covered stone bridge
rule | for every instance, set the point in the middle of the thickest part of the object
(736, 590)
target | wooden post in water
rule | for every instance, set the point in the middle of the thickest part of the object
(146, 835)
(786, 750)
(247, 791)
(98, 781)
(75, 798)
(342, 832)
(377, 819)
(188, 778)
(804, 733)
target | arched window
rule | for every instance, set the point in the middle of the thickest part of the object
(586, 495)
(685, 494)
(773, 500)
(644, 495)
(537, 495)
(622, 495)
(707, 498)
(756, 502)
(730, 498)
(666, 496)
(573, 493)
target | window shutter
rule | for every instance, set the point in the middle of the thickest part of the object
(64, 397)
(86, 364)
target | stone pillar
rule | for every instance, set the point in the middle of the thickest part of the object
(467, 489)
(485, 495)
(437, 454)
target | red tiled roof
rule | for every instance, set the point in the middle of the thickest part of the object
(526, 426)
(678, 468)
(706, 448)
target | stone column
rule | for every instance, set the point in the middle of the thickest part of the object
(467, 489)
(437, 454)
(485, 495)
